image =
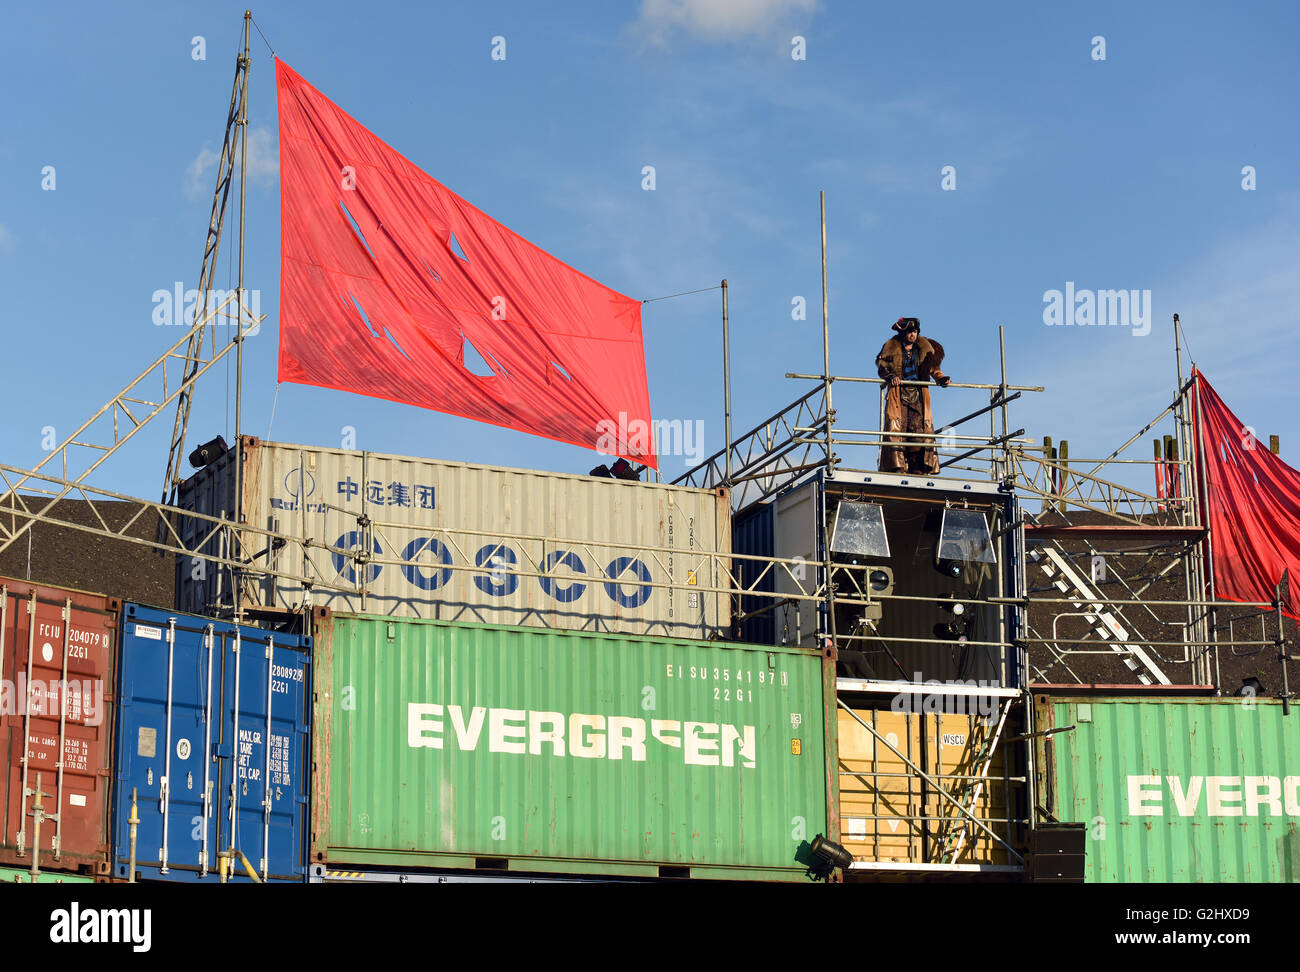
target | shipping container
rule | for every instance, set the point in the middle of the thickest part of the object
(493, 545)
(752, 535)
(458, 746)
(214, 744)
(11, 875)
(890, 813)
(319, 874)
(58, 651)
(919, 547)
(1174, 790)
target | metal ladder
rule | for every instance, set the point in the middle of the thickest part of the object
(1104, 623)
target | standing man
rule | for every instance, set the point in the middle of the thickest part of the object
(909, 357)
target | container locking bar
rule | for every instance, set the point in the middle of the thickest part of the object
(164, 791)
(207, 756)
(234, 768)
(266, 770)
(27, 723)
(63, 729)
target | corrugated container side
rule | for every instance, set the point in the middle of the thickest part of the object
(57, 679)
(214, 740)
(751, 533)
(438, 745)
(200, 587)
(884, 804)
(583, 534)
(1187, 790)
(11, 875)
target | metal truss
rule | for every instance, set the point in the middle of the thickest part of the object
(769, 456)
(218, 542)
(110, 428)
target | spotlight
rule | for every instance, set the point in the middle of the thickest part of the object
(831, 853)
(949, 568)
(601, 471)
(881, 580)
(1251, 687)
(622, 469)
(953, 604)
(208, 453)
(952, 630)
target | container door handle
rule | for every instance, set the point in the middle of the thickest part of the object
(63, 729)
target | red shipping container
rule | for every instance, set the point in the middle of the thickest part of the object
(58, 665)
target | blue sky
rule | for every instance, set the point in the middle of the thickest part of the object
(1116, 173)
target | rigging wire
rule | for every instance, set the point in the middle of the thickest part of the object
(682, 294)
(263, 36)
(274, 402)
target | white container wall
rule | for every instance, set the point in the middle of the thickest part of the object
(460, 527)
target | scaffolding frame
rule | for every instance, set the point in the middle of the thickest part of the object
(795, 442)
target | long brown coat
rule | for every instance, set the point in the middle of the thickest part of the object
(889, 364)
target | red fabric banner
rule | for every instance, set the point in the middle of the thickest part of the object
(386, 276)
(1252, 505)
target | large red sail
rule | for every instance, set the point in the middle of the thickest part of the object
(386, 276)
(1252, 504)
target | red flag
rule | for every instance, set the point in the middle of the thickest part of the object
(1252, 503)
(386, 276)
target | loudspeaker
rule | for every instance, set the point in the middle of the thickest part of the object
(208, 453)
(1056, 853)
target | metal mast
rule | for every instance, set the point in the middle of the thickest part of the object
(245, 64)
(236, 129)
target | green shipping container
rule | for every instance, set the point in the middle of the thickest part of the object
(1187, 790)
(13, 875)
(442, 745)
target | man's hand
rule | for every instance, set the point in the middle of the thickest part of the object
(894, 381)
(942, 382)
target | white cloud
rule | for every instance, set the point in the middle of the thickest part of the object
(716, 20)
(263, 164)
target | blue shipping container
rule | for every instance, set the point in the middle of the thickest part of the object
(214, 735)
(751, 534)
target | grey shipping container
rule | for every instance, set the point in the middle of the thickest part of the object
(425, 538)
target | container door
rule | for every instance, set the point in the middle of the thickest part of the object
(56, 661)
(795, 533)
(263, 786)
(880, 795)
(164, 740)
